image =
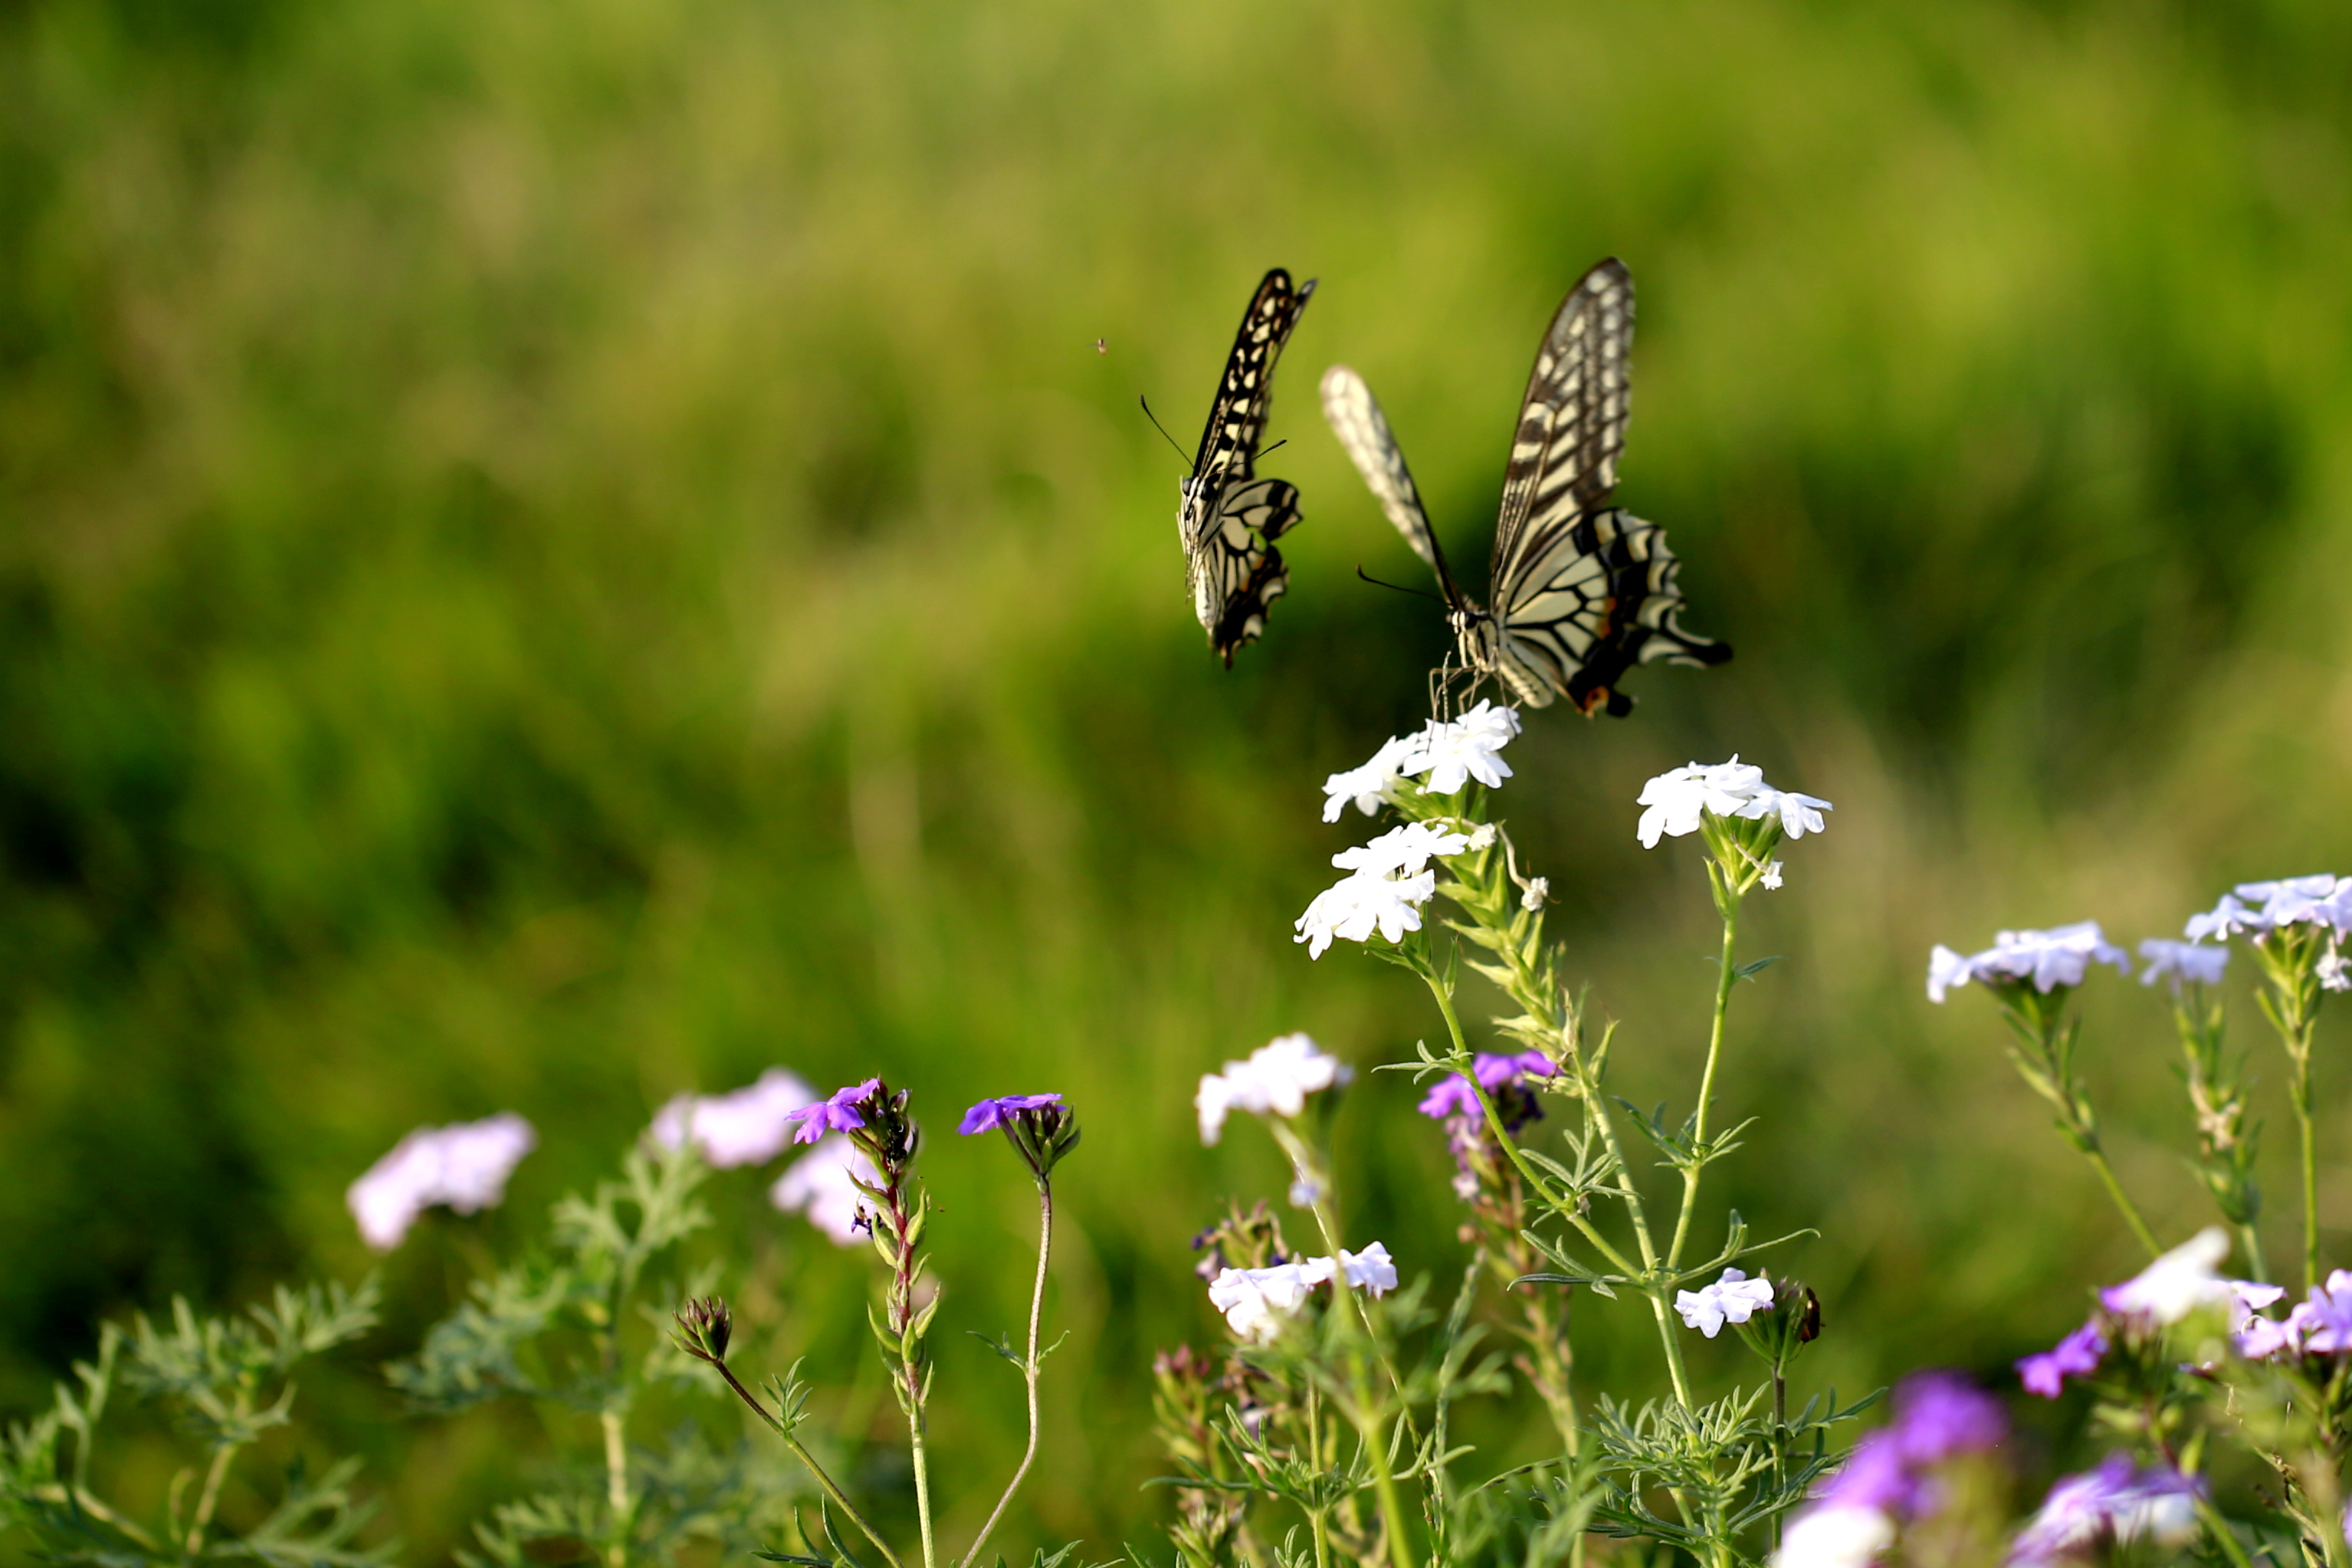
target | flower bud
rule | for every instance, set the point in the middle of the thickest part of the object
(705, 1326)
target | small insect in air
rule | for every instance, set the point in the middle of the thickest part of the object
(1101, 347)
(1229, 518)
(1582, 590)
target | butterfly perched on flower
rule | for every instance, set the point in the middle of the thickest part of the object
(1229, 518)
(1582, 590)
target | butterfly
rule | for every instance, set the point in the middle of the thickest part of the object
(1229, 518)
(1583, 591)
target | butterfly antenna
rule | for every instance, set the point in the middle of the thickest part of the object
(1416, 592)
(1278, 445)
(1158, 426)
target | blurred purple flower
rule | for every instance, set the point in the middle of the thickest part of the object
(748, 1127)
(2182, 962)
(837, 1113)
(2326, 1314)
(2115, 1502)
(2076, 1355)
(993, 1113)
(1938, 1414)
(1452, 1097)
(822, 1184)
(464, 1165)
(1888, 1479)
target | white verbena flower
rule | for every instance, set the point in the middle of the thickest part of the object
(1372, 785)
(1539, 889)
(1483, 835)
(1400, 850)
(1678, 800)
(748, 1127)
(1454, 753)
(1275, 1081)
(822, 1184)
(464, 1165)
(1839, 1535)
(1255, 1300)
(2333, 974)
(1371, 1270)
(1733, 1299)
(2048, 959)
(2182, 962)
(2178, 1283)
(1771, 879)
(1354, 907)
(2255, 908)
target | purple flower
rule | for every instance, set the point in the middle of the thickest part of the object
(993, 1113)
(2076, 1355)
(837, 1113)
(1938, 1414)
(1875, 1477)
(2327, 1314)
(2114, 1502)
(1452, 1097)
(464, 1165)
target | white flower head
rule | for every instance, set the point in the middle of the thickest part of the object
(1733, 1299)
(1373, 784)
(1538, 893)
(2333, 974)
(2182, 962)
(1676, 799)
(2256, 909)
(1371, 1270)
(1275, 1081)
(1483, 835)
(2178, 1283)
(1256, 1300)
(1835, 1535)
(1354, 907)
(1402, 850)
(748, 1127)
(823, 1186)
(1771, 879)
(2046, 959)
(1470, 747)
(464, 1165)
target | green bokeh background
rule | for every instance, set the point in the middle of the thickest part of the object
(556, 554)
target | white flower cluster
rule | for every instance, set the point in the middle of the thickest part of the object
(1255, 1300)
(1275, 1081)
(2180, 1282)
(823, 1186)
(464, 1165)
(1678, 801)
(1388, 880)
(1733, 1299)
(2182, 962)
(2048, 959)
(1451, 753)
(2256, 909)
(748, 1127)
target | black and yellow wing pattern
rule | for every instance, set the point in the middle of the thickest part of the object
(1229, 518)
(1582, 590)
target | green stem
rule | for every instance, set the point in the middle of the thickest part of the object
(616, 1485)
(2098, 1158)
(1723, 976)
(1029, 1368)
(2223, 1536)
(808, 1461)
(922, 1481)
(210, 1499)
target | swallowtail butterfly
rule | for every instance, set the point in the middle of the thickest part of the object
(1583, 591)
(1229, 518)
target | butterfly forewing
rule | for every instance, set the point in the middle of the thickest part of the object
(1572, 422)
(1355, 416)
(1230, 518)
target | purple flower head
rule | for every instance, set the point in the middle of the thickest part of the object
(1939, 1414)
(2114, 1502)
(837, 1113)
(1496, 1074)
(1875, 1477)
(993, 1113)
(2076, 1355)
(2327, 1314)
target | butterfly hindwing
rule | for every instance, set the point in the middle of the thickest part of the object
(1229, 519)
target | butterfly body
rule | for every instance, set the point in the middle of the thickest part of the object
(1227, 518)
(1582, 589)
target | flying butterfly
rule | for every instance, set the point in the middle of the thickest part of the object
(1582, 590)
(1229, 518)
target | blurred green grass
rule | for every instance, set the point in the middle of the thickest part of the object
(554, 556)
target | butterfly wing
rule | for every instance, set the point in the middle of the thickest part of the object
(1355, 416)
(1583, 591)
(1227, 522)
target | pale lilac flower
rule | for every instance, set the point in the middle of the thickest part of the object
(1939, 1415)
(1354, 907)
(2256, 909)
(1401, 851)
(1835, 1535)
(837, 1113)
(2177, 1284)
(1468, 748)
(822, 1184)
(2228, 918)
(2326, 1314)
(748, 1127)
(1275, 1081)
(1256, 1300)
(1733, 1299)
(1371, 1270)
(1678, 798)
(993, 1113)
(2182, 962)
(1374, 783)
(2047, 959)
(2333, 974)
(464, 1165)
(2115, 1502)
(2077, 1355)
(2260, 1339)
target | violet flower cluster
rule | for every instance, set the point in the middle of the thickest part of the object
(1509, 1080)
(463, 1166)
(1891, 1479)
(2116, 1503)
(2183, 1281)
